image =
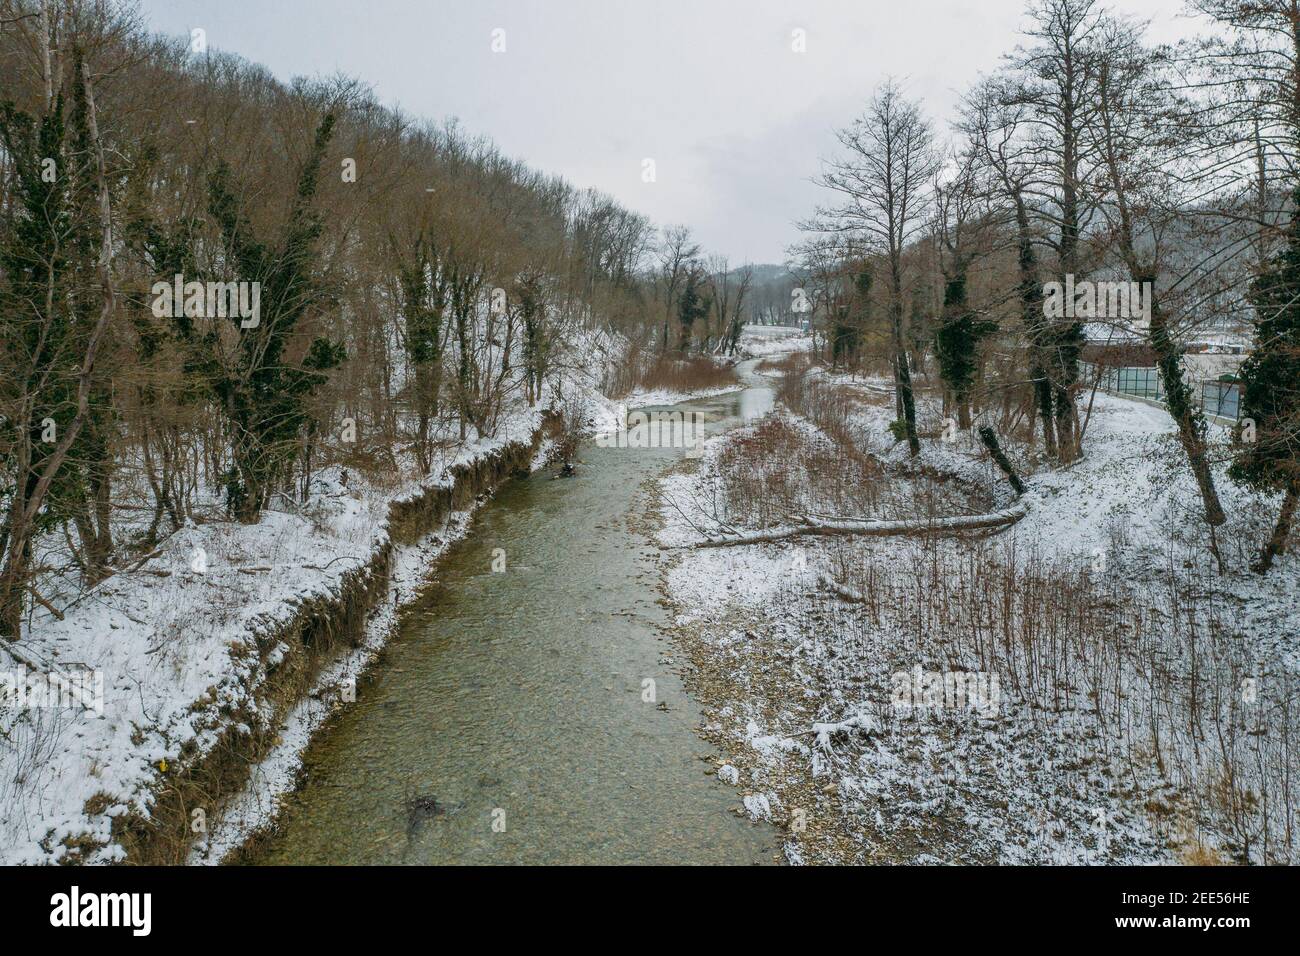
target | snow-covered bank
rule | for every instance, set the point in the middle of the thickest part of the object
(207, 651)
(255, 806)
(767, 341)
(229, 645)
(1131, 723)
(655, 397)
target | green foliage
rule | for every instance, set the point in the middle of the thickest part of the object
(49, 299)
(1270, 377)
(691, 306)
(846, 333)
(956, 340)
(263, 396)
(423, 302)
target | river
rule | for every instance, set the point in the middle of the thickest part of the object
(506, 723)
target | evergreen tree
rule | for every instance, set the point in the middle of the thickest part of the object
(423, 305)
(38, 329)
(49, 311)
(263, 396)
(850, 320)
(1270, 383)
(956, 344)
(691, 306)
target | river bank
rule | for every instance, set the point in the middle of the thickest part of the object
(220, 634)
(1083, 755)
(534, 713)
(244, 647)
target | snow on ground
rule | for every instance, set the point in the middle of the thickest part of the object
(765, 341)
(657, 397)
(277, 774)
(755, 341)
(176, 641)
(1128, 508)
(800, 686)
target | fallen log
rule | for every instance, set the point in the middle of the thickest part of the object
(953, 523)
(990, 440)
(840, 590)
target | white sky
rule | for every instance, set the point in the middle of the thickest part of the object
(710, 89)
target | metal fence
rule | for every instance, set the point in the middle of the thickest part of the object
(1140, 382)
(1218, 399)
(1222, 399)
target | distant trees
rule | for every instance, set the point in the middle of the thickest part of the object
(677, 255)
(729, 290)
(693, 304)
(738, 305)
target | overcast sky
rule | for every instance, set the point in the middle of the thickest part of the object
(711, 90)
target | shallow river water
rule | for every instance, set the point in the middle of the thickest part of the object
(505, 723)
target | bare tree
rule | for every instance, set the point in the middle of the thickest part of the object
(1054, 78)
(676, 254)
(731, 335)
(885, 178)
(964, 229)
(995, 125)
(1137, 124)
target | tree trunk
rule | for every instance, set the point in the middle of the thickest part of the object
(1178, 399)
(1031, 304)
(902, 374)
(990, 440)
(13, 581)
(1067, 443)
(1276, 546)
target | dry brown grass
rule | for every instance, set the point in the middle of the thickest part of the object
(1157, 663)
(674, 373)
(829, 406)
(791, 362)
(776, 472)
(771, 473)
(1198, 854)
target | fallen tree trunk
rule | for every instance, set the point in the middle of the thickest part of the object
(990, 440)
(993, 519)
(840, 590)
